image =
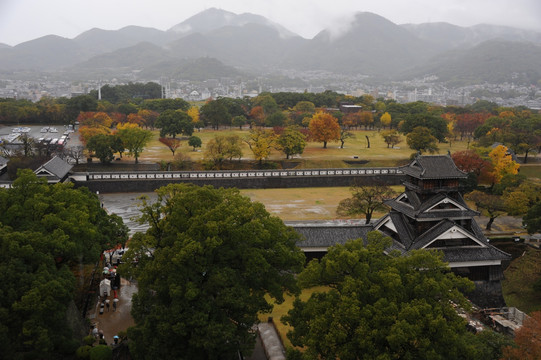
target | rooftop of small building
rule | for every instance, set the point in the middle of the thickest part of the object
(433, 167)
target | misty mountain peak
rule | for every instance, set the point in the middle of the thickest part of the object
(213, 18)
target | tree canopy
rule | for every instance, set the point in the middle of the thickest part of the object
(324, 128)
(380, 306)
(45, 230)
(215, 256)
(134, 139)
(365, 200)
(173, 122)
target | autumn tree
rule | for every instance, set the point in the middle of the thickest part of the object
(135, 118)
(527, 345)
(366, 119)
(502, 163)
(217, 261)
(385, 120)
(149, 117)
(352, 120)
(94, 119)
(391, 138)
(193, 113)
(258, 115)
(171, 143)
(221, 148)
(372, 305)
(261, 142)
(365, 200)
(324, 127)
(422, 140)
(134, 138)
(291, 141)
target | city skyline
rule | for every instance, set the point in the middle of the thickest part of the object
(24, 20)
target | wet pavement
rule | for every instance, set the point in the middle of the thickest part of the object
(111, 322)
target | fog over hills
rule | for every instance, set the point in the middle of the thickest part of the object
(251, 44)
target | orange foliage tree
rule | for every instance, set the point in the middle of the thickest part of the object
(85, 133)
(94, 119)
(527, 340)
(324, 127)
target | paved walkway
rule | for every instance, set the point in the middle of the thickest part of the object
(111, 322)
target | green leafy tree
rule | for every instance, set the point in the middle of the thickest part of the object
(195, 142)
(491, 206)
(365, 200)
(239, 121)
(291, 141)
(102, 147)
(277, 118)
(532, 219)
(436, 124)
(134, 138)
(380, 306)
(44, 230)
(422, 140)
(215, 113)
(215, 258)
(173, 122)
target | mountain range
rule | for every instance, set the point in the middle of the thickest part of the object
(218, 43)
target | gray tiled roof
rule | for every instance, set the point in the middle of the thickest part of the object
(433, 167)
(329, 235)
(419, 211)
(56, 166)
(405, 232)
(3, 161)
(474, 254)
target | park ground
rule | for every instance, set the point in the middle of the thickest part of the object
(320, 204)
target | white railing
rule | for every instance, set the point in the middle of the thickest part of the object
(218, 175)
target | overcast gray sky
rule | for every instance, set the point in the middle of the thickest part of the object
(23, 20)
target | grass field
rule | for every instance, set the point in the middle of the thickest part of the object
(314, 153)
(304, 203)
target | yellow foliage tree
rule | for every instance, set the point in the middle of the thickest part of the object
(385, 120)
(86, 132)
(261, 142)
(502, 163)
(194, 114)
